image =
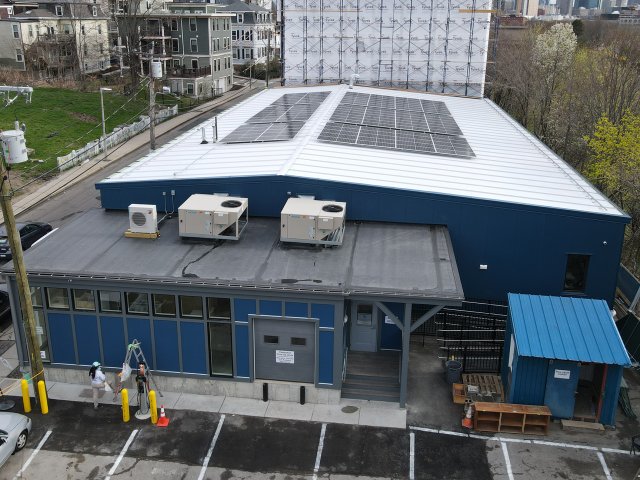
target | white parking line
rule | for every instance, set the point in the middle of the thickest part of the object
(316, 467)
(412, 454)
(33, 454)
(604, 466)
(205, 462)
(507, 461)
(112, 470)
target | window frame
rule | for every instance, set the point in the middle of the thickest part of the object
(59, 11)
(175, 45)
(180, 297)
(193, 45)
(193, 24)
(16, 30)
(128, 303)
(162, 314)
(75, 303)
(48, 298)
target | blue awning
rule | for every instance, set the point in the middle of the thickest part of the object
(565, 328)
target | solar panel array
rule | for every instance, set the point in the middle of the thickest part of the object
(280, 121)
(406, 124)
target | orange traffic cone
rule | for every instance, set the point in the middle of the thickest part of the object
(163, 421)
(466, 421)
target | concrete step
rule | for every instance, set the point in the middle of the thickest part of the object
(360, 395)
(372, 380)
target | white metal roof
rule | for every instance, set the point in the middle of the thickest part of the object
(510, 165)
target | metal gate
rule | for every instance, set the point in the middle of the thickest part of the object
(284, 349)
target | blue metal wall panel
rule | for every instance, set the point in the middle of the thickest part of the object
(296, 309)
(194, 347)
(140, 329)
(323, 312)
(61, 338)
(534, 238)
(87, 340)
(325, 357)
(114, 346)
(242, 308)
(270, 307)
(165, 334)
(612, 391)
(390, 334)
(529, 380)
(242, 350)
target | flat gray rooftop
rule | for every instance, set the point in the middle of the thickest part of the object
(381, 259)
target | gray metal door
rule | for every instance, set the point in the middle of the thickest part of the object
(284, 350)
(364, 332)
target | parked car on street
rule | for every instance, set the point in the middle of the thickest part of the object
(14, 431)
(30, 232)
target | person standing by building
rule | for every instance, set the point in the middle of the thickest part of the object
(98, 382)
(142, 384)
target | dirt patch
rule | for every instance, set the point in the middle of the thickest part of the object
(21, 183)
(83, 117)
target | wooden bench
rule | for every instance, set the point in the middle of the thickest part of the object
(511, 418)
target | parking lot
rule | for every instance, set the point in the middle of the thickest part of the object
(75, 441)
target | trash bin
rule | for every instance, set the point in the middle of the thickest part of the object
(454, 369)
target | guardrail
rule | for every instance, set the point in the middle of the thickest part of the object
(119, 135)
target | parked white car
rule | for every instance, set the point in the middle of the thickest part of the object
(14, 431)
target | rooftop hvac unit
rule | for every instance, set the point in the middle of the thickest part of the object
(143, 219)
(304, 220)
(213, 216)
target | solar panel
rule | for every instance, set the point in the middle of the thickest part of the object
(264, 132)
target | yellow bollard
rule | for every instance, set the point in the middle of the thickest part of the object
(125, 405)
(44, 405)
(153, 407)
(26, 399)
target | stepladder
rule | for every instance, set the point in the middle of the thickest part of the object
(134, 350)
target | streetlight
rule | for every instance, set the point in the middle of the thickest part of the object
(104, 133)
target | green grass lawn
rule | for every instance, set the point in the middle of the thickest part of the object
(60, 120)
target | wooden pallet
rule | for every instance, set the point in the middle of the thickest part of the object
(130, 234)
(483, 387)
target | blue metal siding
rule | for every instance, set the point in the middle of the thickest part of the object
(325, 357)
(390, 334)
(296, 309)
(114, 346)
(564, 328)
(270, 307)
(87, 340)
(534, 238)
(529, 379)
(165, 333)
(242, 309)
(242, 350)
(61, 338)
(193, 339)
(140, 329)
(325, 313)
(612, 391)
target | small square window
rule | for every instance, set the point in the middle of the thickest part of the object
(190, 307)
(575, 277)
(137, 303)
(110, 301)
(219, 308)
(58, 298)
(164, 305)
(271, 339)
(298, 341)
(83, 300)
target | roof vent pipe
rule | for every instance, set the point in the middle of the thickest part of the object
(215, 130)
(204, 140)
(354, 77)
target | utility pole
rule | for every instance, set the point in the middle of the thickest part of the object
(37, 369)
(152, 102)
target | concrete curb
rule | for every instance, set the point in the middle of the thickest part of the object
(74, 175)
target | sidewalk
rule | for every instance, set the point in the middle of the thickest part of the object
(79, 173)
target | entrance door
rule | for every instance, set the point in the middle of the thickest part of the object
(364, 333)
(562, 383)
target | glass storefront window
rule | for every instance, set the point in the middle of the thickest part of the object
(190, 307)
(137, 303)
(83, 299)
(219, 308)
(58, 298)
(110, 301)
(41, 336)
(36, 296)
(164, 305)
(220, 351)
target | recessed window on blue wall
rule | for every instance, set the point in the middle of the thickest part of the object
(270, 307)
(114, 346)
(140, 329)
(325, 357)
(242, 308)
(193, 337)
(296, 309)
(242, 350)
(61, 337)
(324, 312)
(87, 339)
(165, 334)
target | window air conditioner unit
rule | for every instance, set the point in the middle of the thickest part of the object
(306, 220)
(143, 218)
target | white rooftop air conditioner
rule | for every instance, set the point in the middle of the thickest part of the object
(305, 220)
(143, 218)
(213, 216)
